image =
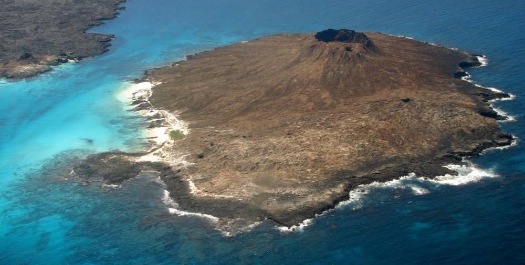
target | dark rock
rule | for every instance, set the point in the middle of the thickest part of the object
(142, 106)
(469, 64)
(62, 60)
(488, 96)
(460, 74)
(156, 123)
(487, 112)
(26, 56)
(345, 35)
(112, 169)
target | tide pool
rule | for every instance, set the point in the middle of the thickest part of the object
(73, 111)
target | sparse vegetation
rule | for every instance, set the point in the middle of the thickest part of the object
(176, 135)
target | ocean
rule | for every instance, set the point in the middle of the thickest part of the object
(74, 110)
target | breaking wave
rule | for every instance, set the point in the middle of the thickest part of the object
(416, 185)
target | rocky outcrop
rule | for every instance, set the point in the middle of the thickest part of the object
(346, 36)
(28, 48)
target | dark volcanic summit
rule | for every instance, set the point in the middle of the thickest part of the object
(345, 35)
(285, 126)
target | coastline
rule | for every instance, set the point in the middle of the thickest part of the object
(466, 174)
(169, 153)
(29, 58)
(135, 97)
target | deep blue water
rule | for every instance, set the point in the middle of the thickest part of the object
(73, 110)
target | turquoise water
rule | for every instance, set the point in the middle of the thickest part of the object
(73, 111)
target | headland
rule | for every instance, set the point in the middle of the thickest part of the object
(37, 35)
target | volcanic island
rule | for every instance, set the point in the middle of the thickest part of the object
(284, 127)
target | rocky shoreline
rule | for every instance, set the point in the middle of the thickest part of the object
(284, 127)
(30, 48)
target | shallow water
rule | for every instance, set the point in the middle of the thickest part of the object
(73, 111)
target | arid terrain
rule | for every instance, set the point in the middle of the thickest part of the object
(35, 35)
(283, 127)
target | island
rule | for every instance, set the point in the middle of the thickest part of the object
(37, 35)
(284, 127)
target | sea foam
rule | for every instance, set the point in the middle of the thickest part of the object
(299, 227)
(484, 62)
(417, 185)
(173, 209)
(134, 91)
(466, 174)
(226, 230)
(136, 94)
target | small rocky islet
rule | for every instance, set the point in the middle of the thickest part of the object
(284, 127)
